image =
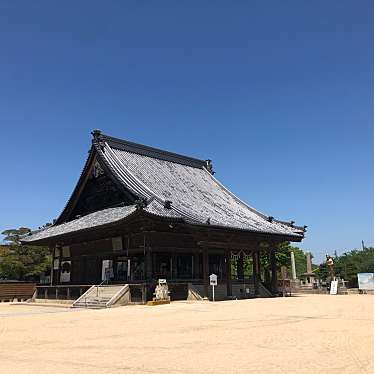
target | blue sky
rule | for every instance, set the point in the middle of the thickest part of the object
(278, 94)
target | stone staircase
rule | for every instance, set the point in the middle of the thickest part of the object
(104, 296)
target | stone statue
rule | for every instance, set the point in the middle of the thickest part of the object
(330, 266)
(162, 291)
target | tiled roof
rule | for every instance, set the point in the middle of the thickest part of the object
(163, 178)
(92, 220)
(98, 219)
(194, 192)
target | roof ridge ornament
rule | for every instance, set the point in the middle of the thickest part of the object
(167, 204)
(96, 134)
(209, 166)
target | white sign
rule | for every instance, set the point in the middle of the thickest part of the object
(334, 288)
(213, 282)
(213, 279)
(365, 281)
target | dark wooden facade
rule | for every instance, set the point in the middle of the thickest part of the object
(146, 249)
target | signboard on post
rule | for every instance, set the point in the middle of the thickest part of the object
(213, 282)
(334, 287)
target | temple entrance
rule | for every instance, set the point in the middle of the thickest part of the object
(168, 266)
(217, 265)
(92, 267)
(163, 266)
(122, 269)
(184, 268)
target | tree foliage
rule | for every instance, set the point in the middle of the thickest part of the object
(349, 264)
(22, 262)
(283, 258)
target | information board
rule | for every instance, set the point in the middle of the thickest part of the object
(213, 280)
(334, 288)
(365, 281)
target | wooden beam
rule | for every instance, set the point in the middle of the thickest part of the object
(223, 244)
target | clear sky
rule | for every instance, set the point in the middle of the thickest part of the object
(278, 93)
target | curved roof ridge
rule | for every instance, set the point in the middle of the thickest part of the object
(145, 150)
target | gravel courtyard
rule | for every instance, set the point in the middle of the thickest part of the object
(306, 334)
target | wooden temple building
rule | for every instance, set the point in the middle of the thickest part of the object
(138, 214)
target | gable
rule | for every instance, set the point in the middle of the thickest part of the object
(99, 192)
(96, 190)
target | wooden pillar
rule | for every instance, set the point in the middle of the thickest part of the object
(273, 268)
(240, 265)
(255, 267)
(144, 293)
(196, 267)
(174, 267)
(258, 263)
(53, 259)
(206, 271)
(148, 261)
(228, 272)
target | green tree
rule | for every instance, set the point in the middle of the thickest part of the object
(349, 264)
(300, 261)
(283, 258)
(22, 262)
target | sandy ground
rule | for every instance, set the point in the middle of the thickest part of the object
(307, 334)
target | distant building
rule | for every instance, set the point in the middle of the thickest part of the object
(138, 214)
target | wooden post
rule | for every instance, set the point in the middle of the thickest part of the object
(241, 266)
(53, 259)
(174, 267)
(196, 268)
(206, 271)
(228, 272)
(148, 261)
(258, 263)
(255, 260)
(144, 294)
(273, 267)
